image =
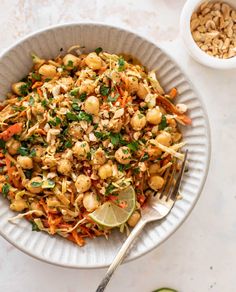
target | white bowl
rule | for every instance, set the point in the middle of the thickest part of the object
(198, 54)
(16, 62)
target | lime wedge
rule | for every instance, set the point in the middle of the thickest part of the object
(111, 214)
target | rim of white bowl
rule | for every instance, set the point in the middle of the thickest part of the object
(192, 47)
(208, 146)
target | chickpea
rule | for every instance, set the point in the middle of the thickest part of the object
(18, 205)
(87, 86)
(37, 109)
(76, 131)
(36, 206)
(93, 61)
(164, 138)
(153, 151)
(154, 116)
(142, 91)
(105, 171)
(17, 88)
(154, 168)
(13, 146)
(48, 71)
(134, 218)
(90, 201)
(138, 121)
(64, 166)
(91, 105)
(25, 162)
(70, 61)
(49, 161)
(35, 185)
(115, 125)
(99, 157)
(176, 137)
(39, 152)
(83, 183)
(156, 182)
(122, 155)
(133, 85)
(81, 149)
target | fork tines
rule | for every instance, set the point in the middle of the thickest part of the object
(172, 184)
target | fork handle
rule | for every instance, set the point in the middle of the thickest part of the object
(121, 255)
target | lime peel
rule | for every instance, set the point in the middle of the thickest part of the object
(111, 215)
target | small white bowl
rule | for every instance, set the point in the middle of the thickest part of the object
(199, 55)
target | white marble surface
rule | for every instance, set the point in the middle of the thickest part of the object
(201, 255)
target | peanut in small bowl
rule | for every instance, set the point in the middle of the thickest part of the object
(208, 29)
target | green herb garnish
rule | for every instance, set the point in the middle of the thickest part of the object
(109, 189)
(74, 91)
(2, 144)
(163, 123)
(98, 50)
(24, 89)
(121, 64)
(34, 226)
(113, 99)
(36, 76)
(68, 144)
(36, 184)
(71, 117)
(83, 96)
(133, 146)
(31, 101)
(44, 103)
(18, 108)
(104, 90)
(83, 116)
(145, 157)
(101, 135)
(23, 151)
(5, 189)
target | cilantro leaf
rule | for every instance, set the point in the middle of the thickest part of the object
(104, 90)
(36, 184)
(98, 50)
(36, 76)
(76, 107)
(74, 91)
(83, 96)
(121, 64)
(2, 144)
(24, 89)
(23, 151)
(113, 99)
(31, 101)
(101, 135)
(83, 116)
(5, 189)
(71, 117)
(109, 189)
(145, 157)
(34, 226)
(115, 138)
(163, 123)
(133, 146)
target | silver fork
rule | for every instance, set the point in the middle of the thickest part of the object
(157, 208)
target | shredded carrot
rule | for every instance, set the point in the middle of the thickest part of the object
(170, 107)
(173, 92)
(37, 84)
(78, 239)
(12, 130)
(40, 131)
(39, 91)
